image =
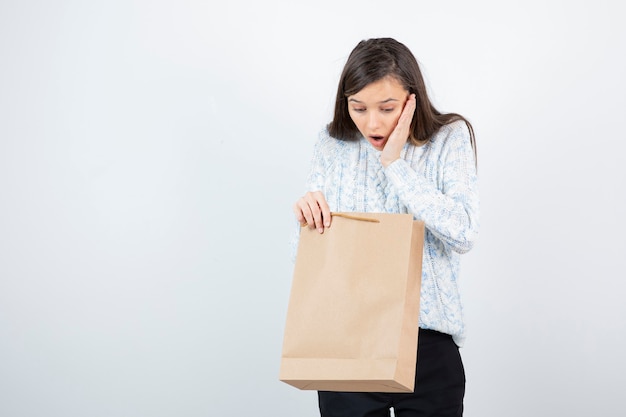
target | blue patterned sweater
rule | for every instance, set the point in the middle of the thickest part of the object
(436, 182)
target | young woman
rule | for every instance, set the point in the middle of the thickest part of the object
(388, 150)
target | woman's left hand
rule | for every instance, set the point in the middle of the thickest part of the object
(400, 134)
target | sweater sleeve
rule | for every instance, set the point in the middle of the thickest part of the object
(314, 182)
(449, 207)
(317, 171)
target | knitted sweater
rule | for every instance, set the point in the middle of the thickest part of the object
(436, 182)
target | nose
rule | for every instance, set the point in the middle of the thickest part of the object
(373, 120)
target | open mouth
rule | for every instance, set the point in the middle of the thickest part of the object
(377, 141)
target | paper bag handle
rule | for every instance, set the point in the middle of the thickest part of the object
(352, 217)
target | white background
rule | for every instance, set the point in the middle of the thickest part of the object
(150, 152)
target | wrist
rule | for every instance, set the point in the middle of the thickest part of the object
(386, 161)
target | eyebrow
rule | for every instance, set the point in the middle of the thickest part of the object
(380, 102)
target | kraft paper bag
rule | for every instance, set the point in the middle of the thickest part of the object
(352, 318)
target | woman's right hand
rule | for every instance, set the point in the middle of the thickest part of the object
(312, 210)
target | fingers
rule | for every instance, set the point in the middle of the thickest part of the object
(400, 134)
(404, 122)
(312, 210)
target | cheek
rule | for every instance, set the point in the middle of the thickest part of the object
(396, 117)
(390, 121)
(358, 121)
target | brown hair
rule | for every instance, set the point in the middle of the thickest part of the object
(374, 59)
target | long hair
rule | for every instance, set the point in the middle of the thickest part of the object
(374, 59)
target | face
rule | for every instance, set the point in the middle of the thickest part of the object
(375, 109)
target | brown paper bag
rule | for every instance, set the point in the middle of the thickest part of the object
(352, 319)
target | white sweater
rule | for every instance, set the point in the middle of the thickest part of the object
(436, 182)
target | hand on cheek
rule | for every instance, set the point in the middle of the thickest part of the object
(400, 134)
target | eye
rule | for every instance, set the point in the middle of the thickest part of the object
(358, 109)
(389, 110)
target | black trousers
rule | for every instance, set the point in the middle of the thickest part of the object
(439, 387)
